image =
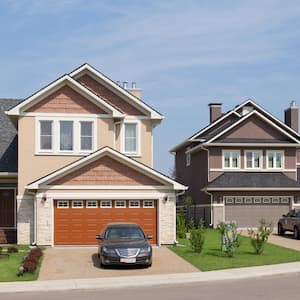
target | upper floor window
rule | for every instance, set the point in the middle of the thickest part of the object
(253, 159)
(86, 136)
(275, 159)
(188, 159)
(66, 135)
(231, 159)
(46, 135)
(131, 138)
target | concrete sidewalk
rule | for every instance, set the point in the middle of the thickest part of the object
(149, 280)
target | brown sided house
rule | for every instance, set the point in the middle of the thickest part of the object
(84, 150)
(242, 167)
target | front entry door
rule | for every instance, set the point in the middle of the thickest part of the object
(7, 208)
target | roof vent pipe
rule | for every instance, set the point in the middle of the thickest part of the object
(125, 85)
(133, 85)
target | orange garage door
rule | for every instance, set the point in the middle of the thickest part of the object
(76, 222)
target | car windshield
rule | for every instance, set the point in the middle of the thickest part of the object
(124, 233)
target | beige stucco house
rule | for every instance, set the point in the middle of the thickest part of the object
(85, 158)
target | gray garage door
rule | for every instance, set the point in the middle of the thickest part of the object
(247, 211)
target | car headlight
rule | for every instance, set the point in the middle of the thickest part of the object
(108, 250)
(145, 250)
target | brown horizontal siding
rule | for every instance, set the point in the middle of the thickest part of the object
(106, 171)
(66, 100)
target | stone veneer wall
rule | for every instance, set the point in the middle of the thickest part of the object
(25, 218)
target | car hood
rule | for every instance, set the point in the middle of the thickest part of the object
(125, 244)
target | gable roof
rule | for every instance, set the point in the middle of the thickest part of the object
(106, 151)
(253, 180)
(126, 95)
(54, 86)
(8, 138)
(231, 119)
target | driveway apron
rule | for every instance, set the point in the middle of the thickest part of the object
(82, 262)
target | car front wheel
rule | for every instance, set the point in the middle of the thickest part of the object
(280, 229)
(296, 233)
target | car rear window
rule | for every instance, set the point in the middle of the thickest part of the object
(124, 233)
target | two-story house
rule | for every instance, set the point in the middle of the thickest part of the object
(243, 166)
(77, 155)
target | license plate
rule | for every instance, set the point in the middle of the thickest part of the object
(128, 260)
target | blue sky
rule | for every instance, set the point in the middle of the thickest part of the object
(183, 54)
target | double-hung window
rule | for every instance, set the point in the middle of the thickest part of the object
(46, 135)
(66, 136)
(131, 138)
(253, 159)
(275, 159)
(231, 159)
(86, 136)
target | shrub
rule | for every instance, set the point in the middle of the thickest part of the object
(180, 224)
(229, 237)
(198, 238)
(29, 266)
(36, 252)
(12, 250)
(260, 236)
(1, 250)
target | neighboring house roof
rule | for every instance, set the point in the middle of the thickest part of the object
(231, 119)
(165, 180)
(8, 139)
(252, 181)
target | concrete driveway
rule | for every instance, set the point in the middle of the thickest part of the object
(285, 241)
(82, 262)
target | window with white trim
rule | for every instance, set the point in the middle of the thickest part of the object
(66, 130)
(231, 159)
(134, 204)
(46, 135)
(77, 204)
(106, 204)
(63, 204)
(275, 159)
(188, 158)
(120, 203)
(148, 204)
(86, 136)
(131, 138)
(91, 203)
(253, 159)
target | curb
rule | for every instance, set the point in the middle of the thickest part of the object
(149, 280)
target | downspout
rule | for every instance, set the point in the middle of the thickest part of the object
(34, 218)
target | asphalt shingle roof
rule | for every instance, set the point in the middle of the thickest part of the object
(8, 138)
(253, 180)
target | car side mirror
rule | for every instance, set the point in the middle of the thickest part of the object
(99, 237)
(149, 236)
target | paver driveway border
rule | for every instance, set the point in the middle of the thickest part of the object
(82, 262)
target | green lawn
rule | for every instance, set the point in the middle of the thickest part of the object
(212, 258)
(9, 266)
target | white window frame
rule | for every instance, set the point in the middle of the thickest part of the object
(260, 159)
(77, 201)
(56, 135)
(148, 201)
(230, 159)
(59, 202)
(91, 201)
(38, 139)
(138, 137)
(120, 201)
(105, 201)
(134, 206)
(188, 158)
(274, 159)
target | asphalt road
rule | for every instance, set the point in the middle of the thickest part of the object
(277, 287)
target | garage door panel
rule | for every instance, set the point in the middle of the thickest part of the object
(79, 226)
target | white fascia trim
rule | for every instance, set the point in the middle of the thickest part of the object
(65, 115)
(254, 112)
(253, 189)
(253, 170)
(122, 158)
(137, 102)
(103, 187)
(17, 110)
(267, 113)
(8, 174)
(251, 145)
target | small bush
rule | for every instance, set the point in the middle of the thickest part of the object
(29, 266)
(198, 238)
(1, 250)
(12, 250)
(36, 252)
(259, 237)
(180, 224)
(229, 237)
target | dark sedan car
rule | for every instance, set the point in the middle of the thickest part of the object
(290, 222)
(124, 244)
